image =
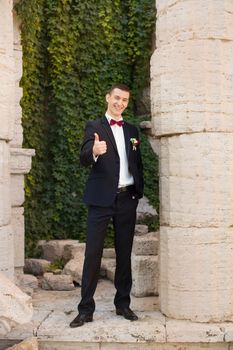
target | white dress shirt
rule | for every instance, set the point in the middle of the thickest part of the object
(125, 178)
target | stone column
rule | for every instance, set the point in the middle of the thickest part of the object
(15, 306)
(20, 158)
(192, 114)
(6, 133)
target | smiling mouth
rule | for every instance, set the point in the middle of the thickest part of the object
(118, 108)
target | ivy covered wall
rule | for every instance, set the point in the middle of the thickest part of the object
(73, 51)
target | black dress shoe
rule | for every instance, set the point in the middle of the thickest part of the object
(80, 320)
(127, 313)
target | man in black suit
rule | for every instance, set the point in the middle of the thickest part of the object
(115, 183)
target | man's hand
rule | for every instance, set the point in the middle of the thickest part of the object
(99, 147)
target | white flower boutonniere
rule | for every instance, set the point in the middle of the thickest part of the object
(135, 143)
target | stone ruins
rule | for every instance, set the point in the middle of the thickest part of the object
(14, 163)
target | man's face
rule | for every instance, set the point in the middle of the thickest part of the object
(117, 102)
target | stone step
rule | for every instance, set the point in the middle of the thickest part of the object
(53, 311)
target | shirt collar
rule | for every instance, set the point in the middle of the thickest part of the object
(109, 117)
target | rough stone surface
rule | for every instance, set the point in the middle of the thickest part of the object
(27, 344)
(5, 203)
(7, 251)
(191, 95)
(109, 253)
(17, 222)
(196, 332)
(195, 41)
(110, 273)
(145, 275)
(196, 180)
(199, 275)
(17, 190)
(57, 282)
(108, 266)
(143, 104)
(141, 230)
(17, 139)
(22, 280)
(50, 324)
(145, 210)
(21, 159)
(36, 267)
(146, 244)
(74, 267)
(54, 249)
(15, 306)
(13, 160)
(7, 70)
(71, 249)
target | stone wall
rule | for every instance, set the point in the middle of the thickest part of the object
(14, 160)
(15, 306)
(6, 134)
(192, 107)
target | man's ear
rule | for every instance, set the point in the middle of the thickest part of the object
(107, 97)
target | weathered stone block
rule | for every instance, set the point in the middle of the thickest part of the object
(145, 210)
(5, 204)
(109, 253)
(193, 264)
(196, 180)
(59, 249)
(18, 130)
(20, 160)
(15, 306)
(202, 24)
(7, 71)
(7, 252)
(145, 275)
(36, 267)
(74, 267)
(17, 190)
(141, 230)
(181, 331)
(26, 281)
(200, 106)
(110, 272)
(27, 344)
(145, 245)
(18, 235)
(108, 266)
(72, 249)
(57, 282)
(108, 263)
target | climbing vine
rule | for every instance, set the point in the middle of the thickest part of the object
(73, 52)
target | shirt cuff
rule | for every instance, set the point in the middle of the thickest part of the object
(95, 158)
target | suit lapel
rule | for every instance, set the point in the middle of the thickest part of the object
(108, 130)
(126, 134)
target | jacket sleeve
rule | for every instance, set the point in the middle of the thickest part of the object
(86, 153)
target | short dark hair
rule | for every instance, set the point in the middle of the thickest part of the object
(119, 86)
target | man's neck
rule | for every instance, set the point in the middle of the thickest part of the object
(109, 116)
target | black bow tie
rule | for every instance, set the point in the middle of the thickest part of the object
(119, 123)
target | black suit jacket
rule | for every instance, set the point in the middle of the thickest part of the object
(102, 183)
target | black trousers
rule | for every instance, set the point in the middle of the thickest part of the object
(123, 214)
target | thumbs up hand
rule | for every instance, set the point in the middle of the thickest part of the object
(99, 147)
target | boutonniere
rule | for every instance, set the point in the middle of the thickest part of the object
(135, 143)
